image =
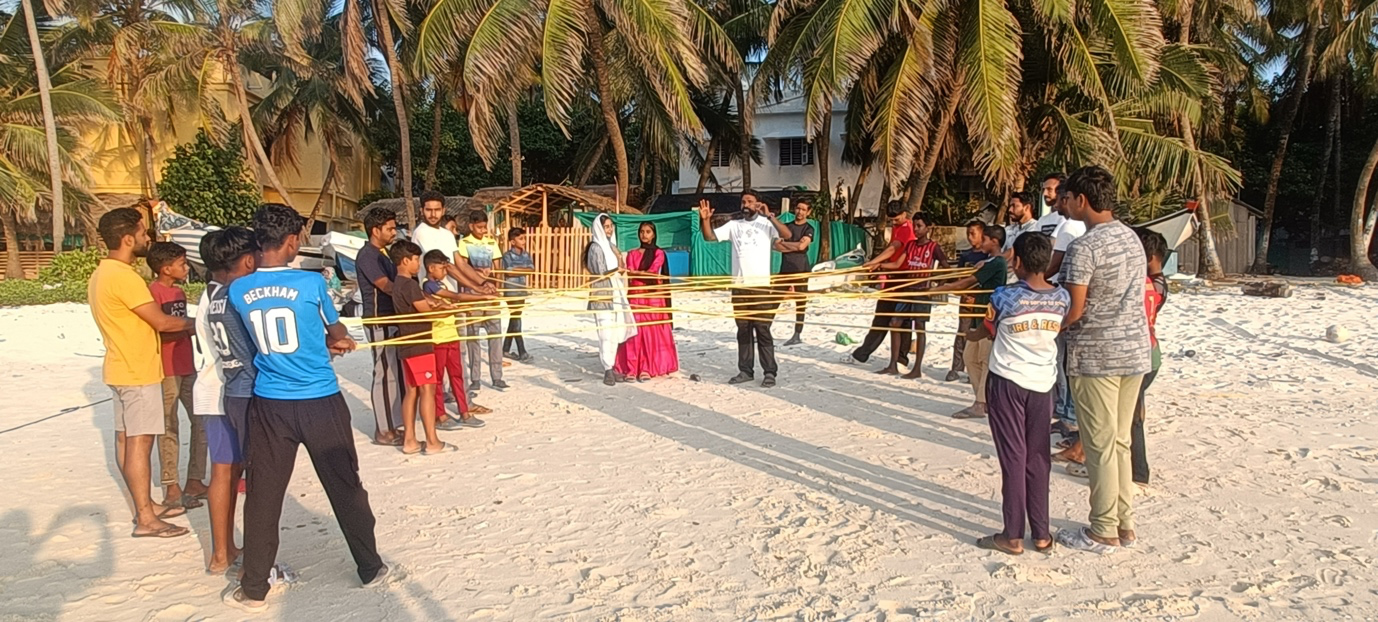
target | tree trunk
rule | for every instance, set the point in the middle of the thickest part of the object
(251, 135)
(1332, 122)
(1210, 266)
(514, 138)
(45, 87)
(1359, 235)
(1286, 119)
(399, 85)
(13, 269)
(823, 145)
(600, 71)
(744, 114)
(860, 184)
(146, 150)
(584, 175)
(437, 115)
(706, 170)
(935, 147)
(321, 198)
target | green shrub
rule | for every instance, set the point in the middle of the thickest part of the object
(71, 267)
(210, 183)
(18, 293)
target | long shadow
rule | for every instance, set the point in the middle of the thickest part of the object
(33, 588)
(826, 471)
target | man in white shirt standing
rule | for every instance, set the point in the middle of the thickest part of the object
(1021, 220)
(1063, 231)
(753, 301)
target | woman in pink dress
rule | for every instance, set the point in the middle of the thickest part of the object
(651, 352)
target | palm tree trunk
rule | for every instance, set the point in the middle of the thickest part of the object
(1359, 235)
(592, 165)
(13, 269)
(1210, 266)
(146, 150)
(399, 84)
(823, 144)
(514, 138)
(45, 87)
(706, 170)
(1332, 122)
(437, 115)
(323, 196)
(935, 146)
(1286, 120)
(600, 71)
(860, 184)
(251, 135)
(744, 114)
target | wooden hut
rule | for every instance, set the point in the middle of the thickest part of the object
(537, 204)
(1236, 237)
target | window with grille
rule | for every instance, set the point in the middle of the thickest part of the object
(796, 152)
(722, 156)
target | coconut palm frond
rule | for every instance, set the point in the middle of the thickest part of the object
(903, 109)
(563, 47)
(988, 60)
(1135, 32)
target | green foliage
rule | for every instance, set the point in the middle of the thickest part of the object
(74, 267)
(210, 183)
(20, 292)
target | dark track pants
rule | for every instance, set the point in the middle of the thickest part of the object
(880, 333)
(1021, 422)
(754, 309)
(276, 428)
(1138, 451)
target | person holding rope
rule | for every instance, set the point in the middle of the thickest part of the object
(753, 300)
(901, 233)
(917, 260)
(989, 275)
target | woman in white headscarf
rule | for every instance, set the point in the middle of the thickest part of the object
(608, 296)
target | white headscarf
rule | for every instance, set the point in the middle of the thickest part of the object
(621, 307)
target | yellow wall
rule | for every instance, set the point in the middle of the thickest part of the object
(115, 165)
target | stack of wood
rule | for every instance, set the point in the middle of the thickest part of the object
(1267, 289)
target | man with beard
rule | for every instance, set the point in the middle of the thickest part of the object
(795, 267)
(753, 300)
(129, 321)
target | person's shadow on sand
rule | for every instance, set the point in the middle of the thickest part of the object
(35, 588)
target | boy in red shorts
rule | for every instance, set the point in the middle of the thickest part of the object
(448, 358)
(415, 351)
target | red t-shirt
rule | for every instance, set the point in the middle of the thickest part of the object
(920, 260)
(177, 353)
(900, 235)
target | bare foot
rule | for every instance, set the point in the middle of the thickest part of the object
(1043, 545)
(1127, 535)
(889, 371)
(1014, 546)
(914, 374)
(172, 496)
(219, 566)
(386, 438)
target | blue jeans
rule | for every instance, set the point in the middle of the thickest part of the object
(1064, 408)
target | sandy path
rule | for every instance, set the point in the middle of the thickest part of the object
(836, 495)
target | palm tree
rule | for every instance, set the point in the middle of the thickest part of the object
(310, 100)
(1354, 49)
(45, 87)
(208, 50)
(78, 102)
(643, 55)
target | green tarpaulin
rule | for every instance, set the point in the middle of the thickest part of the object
(681, 230)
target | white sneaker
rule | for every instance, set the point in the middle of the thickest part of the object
(380, 578)
(1080, 539)
(235, 597)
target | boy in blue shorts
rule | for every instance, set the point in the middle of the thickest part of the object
(296, 401)
(225, 383)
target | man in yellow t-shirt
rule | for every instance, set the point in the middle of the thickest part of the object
(129, 321)
(484, 256)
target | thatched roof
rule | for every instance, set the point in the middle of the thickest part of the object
(455, 206)
(532, 199)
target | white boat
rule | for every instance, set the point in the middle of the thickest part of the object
(188, 233)
(343, 249)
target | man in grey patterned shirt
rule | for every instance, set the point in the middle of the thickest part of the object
(1108, 353)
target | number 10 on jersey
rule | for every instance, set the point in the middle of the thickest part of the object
(275, 330)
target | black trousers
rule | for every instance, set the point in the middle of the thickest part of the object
(1138, 451)
(276, 428)
(754, 309)
(515, 307)
(880, 333)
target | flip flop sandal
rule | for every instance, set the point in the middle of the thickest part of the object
(1077, 470)
(968, 413)
(413, 452)
(989, 543)
(172, 511)
(396, 442)
(1046, 550)
(190, 502)
(444, 448)
(475, 409)
(171, 531)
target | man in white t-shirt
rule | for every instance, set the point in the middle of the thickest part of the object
(1049, 222)
(1063, 229)
(753, 301)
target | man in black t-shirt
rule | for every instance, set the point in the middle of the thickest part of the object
(376, 275)
(795, 266)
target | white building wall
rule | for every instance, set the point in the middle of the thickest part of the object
(772, 124)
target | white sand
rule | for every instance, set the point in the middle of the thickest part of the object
(836, 495)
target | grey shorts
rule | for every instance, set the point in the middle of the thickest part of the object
(139, 409)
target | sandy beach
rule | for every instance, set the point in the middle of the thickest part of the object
(837, 495)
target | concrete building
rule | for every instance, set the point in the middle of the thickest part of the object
(789, 159)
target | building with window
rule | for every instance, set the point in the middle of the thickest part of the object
(789, 159)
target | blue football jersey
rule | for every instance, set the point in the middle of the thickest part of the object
(286, 311)
(232, 340)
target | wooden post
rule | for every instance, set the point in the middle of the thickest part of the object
(545, 208)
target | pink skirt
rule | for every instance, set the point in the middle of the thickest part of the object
(652, 350)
